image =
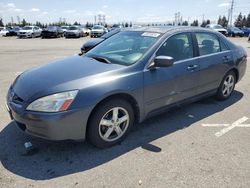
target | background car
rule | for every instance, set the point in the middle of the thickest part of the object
(246, 31)
(217, 27)
(73, 31)
(116, 26)
(98, 31)
(30, 32)
(13, 31)
(52, 31)
(86, 31)
(4, 31)
(65, 28)
(91, 43)
(235, 31)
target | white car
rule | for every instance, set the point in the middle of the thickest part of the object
(217, 27)
(86, 31)
(98, 31)
(3, 32)
(65, 28)
(30, 32)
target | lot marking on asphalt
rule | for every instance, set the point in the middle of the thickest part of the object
(229, 127)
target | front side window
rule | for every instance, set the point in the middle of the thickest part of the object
(178, 47)
(207, 43)
(124, 48)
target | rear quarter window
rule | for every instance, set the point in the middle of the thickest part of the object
(207, 43)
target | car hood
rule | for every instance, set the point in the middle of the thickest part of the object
(72, 73)
(25, 31)
(97, 30)
(221, 30)
(72, 31)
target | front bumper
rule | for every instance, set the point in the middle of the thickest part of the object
(24, 35)
(71, 35)
(96, 34)
(68, 125)
(49, 34)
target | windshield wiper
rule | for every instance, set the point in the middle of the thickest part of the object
(101, 59)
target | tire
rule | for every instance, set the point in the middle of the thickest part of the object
(32, 35)
(222, 92)
(112, 132)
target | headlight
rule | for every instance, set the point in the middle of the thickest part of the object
(53, 103)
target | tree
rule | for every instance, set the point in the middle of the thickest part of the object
(195, 23)
(204, 23)
(244, 21)
(126, 24)
(224, 21)
(248, 21)
(219, 21)
(23, 23)
(185, 23)
(1, 22)
(238, 22)
(130, 25)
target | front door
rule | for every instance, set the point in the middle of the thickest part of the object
(165, 86)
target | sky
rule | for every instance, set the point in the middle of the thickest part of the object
(117, 11)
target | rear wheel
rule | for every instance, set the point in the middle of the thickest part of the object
(110, 123)
(227, 86)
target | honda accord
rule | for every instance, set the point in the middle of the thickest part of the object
(123, 80)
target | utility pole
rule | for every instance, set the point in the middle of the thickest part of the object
(231, 12)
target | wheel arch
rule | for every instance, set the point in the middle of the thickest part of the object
(125, 96)
(236, 72)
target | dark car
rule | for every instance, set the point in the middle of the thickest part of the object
(235, 31)
(130, 76)
(95, 41)
(246, 31)
(52, 31)
(73, 32)
(13, 31)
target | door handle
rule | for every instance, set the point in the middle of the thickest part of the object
(192, 67)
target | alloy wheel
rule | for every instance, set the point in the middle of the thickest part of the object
(114, 124)
(228, 85)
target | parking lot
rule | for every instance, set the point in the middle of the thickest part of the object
(205, 144)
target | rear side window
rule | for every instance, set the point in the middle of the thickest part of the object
(207, 43)
(178, 46)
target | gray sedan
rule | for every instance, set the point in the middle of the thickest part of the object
(125, 79)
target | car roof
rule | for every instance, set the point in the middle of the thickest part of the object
(169, 29)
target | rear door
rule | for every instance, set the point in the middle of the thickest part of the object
(167, 85)
(214, 59)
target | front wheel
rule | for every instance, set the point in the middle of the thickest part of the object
(110, 123)
(227, 86)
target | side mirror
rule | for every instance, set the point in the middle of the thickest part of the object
(163, 61)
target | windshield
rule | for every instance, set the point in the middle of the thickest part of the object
(97, 27)
(64, 27)
(236, 29)
(27, 28)
(217, 27)
(124, 48)
(52, 28)
(73, 28)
